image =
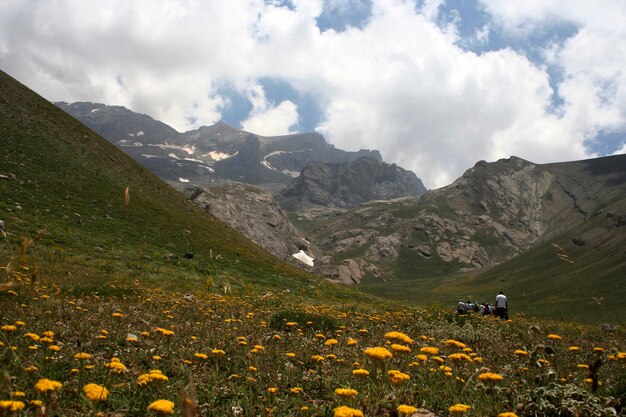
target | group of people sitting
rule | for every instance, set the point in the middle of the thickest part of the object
(501, 309)
(469, 307)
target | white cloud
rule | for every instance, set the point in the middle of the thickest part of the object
(400, 83)
(265, 118)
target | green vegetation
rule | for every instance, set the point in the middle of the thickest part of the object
(65, 214)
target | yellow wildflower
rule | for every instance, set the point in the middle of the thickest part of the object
(344, 411)
(162, 406)
(553, 336)
(218, 352)
(346, 392)
(47, 385)
(507, 414)
(202, 356)
(459, 357)
(11, 406)
(430, 350)
(398, 336)
(82, 355)
(378, 353)
(295, 390)
(330, 342)
(360, 372)
(406, 410)
(459, 408)
(153, 375)
(490, 377)
(520, 352)
(400, 348)
(95, 392)
(32, 336)
(9, 328)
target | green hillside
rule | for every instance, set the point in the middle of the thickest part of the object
(64, 208)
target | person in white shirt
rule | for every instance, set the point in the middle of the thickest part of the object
(502, 306)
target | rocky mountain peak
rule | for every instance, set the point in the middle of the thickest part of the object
(347, 185)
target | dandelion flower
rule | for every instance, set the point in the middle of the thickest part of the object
(95, 392)
(507, 414)
(32, 336)
(378, 353)
(400, 348)
(218, 352)
(47, 385)
(553, 336)
(459, 408)
(118, 315)
(295, 390)
(344, 411)
(202, 356)
(272, 390)
(406, 410)
(573, 348)
(153, 375)
(351, 342)
(459, 357)
(398, 336)
(429, 350)
(162, 407)
(330, 342)
(520, 352)
(360, 372)
(82, 355)
(318, 358)
(490, 377)
(11, 406)
(346, 392)
(9, 328)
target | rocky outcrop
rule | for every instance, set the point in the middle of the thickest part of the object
(492, 213)
(255, 214)
(347, 185)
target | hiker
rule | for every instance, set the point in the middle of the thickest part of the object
(502, 306)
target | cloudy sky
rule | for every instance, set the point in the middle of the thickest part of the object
(435, 85)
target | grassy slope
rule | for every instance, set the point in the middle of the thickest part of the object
(70, 181)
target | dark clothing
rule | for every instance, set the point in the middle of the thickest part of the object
(502, 313)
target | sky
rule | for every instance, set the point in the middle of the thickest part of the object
(435, 85)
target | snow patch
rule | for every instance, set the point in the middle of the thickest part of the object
(274, 153)
(140, 133)
(193, 160)
(303, 257)
(171, 155)
(181, 179)
(267, 165)
(218, 156)
(149, 156)
(209, 168)
(189, 149)
(94, 110)
(293, 174)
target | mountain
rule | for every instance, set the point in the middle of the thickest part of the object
(255, 214)
(493, 214)
(349, 184)
(76, 210)
(210, 154)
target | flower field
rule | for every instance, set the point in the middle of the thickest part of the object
(138, 351)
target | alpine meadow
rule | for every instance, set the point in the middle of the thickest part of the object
(120, 296)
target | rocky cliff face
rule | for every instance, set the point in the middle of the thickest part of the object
(492, 213)
(255, 214)
(347, 185)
